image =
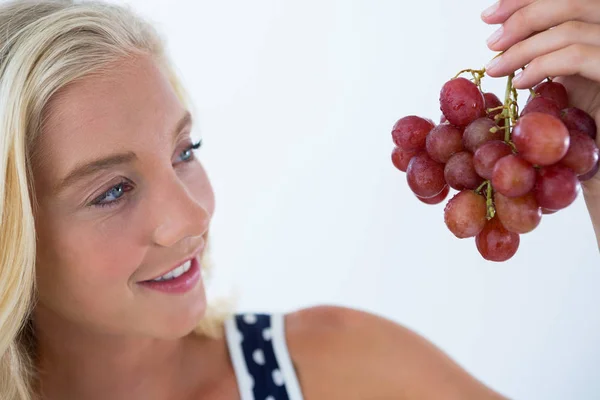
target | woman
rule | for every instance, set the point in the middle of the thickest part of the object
(103, 201)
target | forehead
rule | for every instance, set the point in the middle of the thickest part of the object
(129, 104)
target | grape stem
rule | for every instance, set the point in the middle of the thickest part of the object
(507, 111)
(489, 198)
(491, 210)
(491, 110)
(511, 110)
(478, 75)
(480, 188)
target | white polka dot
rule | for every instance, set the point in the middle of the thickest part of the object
(278, 377)
(267, 334)
(270, 398)
(259, 357)
(250, 319)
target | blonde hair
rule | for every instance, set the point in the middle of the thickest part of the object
(44, 46)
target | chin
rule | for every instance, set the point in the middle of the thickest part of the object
(177, 316)
(180, 323)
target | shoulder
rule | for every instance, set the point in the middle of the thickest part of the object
(346, 353)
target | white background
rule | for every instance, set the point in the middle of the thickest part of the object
(295, 101)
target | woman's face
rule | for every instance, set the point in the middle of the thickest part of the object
(122, 200)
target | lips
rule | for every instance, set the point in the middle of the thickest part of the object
(180, 264)
(174, 273)
(176, 285)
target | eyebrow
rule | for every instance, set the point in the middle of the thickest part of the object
(104, 163)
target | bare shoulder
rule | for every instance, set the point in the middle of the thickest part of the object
(345, 353)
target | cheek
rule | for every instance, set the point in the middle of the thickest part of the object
(84, 260)
(101, 250)
(117, 246)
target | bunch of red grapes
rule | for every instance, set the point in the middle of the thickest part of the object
(508, 166)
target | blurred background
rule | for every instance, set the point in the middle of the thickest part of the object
(295, 101)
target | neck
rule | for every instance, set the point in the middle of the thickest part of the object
(76, 362)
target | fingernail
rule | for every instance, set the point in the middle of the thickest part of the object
(518, 77)
(493, 63)
(491, 10)
(494, 37)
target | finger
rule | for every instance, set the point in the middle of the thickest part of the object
(549, 41)
(540, 16)
(502, 9)
(580, 59)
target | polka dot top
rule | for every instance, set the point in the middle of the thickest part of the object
(262, 364)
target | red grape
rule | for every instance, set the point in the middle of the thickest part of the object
(425, 177)
(492, 101)
(401, 157)
(582, 155)
(590, 174)
(460, 173)
(553, 91)
(496, 243)
(410, 132)
(461, 101)
(437, 199)
(540, 138)
(578, 120)
(465, 214)
(518, 214)
(542, 105)
(478, 132)
(556, 187)
(535, 171)
(487, 155)
(443, 141)
(512, 176)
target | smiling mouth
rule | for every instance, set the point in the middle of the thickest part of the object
(181, 269)
(174, 273)
(178, 280)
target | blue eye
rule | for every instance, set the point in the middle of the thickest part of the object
(113, 195)
(188, 154)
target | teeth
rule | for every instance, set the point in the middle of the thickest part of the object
(176, 272)
(167, 276)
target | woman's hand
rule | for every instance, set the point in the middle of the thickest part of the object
(553, 38)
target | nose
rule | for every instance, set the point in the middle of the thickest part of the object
(179, 214)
